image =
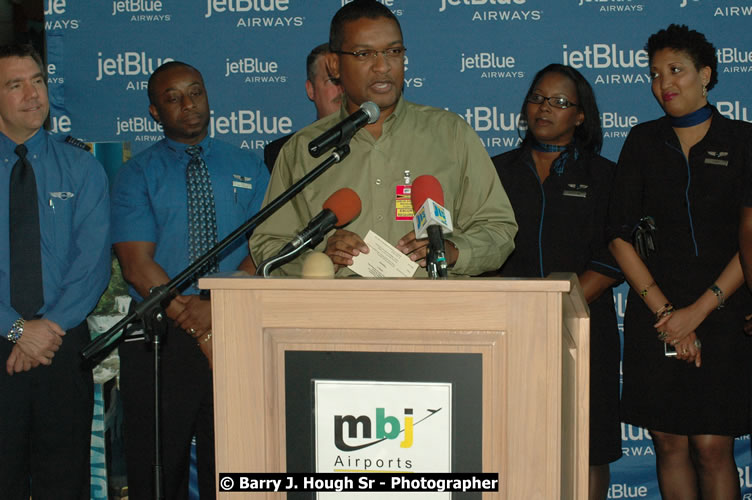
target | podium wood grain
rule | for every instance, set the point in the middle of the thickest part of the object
(533, 336)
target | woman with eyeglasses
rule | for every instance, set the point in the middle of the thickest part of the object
(677, 196)
(558, 185)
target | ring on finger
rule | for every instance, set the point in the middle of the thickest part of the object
(698, 344)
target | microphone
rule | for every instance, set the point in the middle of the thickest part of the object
(431, 220)
(339, 209)
(318, 265)
(343, 131)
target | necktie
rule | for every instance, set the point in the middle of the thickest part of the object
(202, 217)
(26, 290)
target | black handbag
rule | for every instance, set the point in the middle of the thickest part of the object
(644, 236)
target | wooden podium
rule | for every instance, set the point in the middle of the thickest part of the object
(533, 336)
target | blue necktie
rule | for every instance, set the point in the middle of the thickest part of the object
(202, 217)
(26, 290)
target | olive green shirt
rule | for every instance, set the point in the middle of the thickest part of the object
(421, 139)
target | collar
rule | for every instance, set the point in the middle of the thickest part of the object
(720, 134)
(36, 144)
(569, 154)
(178, 148)
(393, 120)
(691, 119)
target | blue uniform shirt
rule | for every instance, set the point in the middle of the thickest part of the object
(149, 200)
(74, 221)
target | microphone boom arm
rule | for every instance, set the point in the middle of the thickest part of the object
(147, 309)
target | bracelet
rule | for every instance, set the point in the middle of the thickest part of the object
(644, 291)
(205, 338)
(718, 295)
(16, 330)
(664, 311)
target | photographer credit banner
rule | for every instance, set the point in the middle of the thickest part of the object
(473, 57)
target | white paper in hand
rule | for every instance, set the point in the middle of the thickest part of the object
(383, 260)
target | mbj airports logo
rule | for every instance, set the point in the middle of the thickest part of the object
(254, 70)
(255, 14)
(620, 6)
(618, 65)
(354, 433)
(494, 10)
(140, 11)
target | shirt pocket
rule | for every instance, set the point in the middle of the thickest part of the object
(57, 224)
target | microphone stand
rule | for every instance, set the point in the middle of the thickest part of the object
(151, 311)
(436, 264)
(266, 267)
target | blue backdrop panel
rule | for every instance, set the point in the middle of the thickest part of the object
(473, 57)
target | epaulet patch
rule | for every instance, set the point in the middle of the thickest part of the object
(78, 143)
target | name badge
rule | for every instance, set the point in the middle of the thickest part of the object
(717, 158)
(241, 181)
(403, 209)
(576, 190)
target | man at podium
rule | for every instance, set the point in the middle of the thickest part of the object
(408, 140)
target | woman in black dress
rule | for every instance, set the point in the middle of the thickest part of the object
(686, 170)
(559, 186)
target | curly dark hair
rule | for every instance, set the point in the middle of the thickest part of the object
(353, 11)
(588, 134)
(691, 42)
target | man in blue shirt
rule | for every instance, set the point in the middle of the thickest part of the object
(155, 238)
(48, 285)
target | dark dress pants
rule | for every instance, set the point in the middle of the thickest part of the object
(45, 425)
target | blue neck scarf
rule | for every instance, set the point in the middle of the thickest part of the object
(561, 160)
(693, 118)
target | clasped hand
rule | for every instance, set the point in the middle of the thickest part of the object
(679, 329)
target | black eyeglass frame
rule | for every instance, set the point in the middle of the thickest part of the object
(371, 54)
(567, 103)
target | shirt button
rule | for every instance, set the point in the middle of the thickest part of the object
(378, 182)
(380, 218)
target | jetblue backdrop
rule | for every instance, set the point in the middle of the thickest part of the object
(473, 57)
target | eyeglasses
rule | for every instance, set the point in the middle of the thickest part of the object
(370, 54)
(556, 102)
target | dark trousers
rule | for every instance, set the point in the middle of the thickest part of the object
(45, 425)
(186, 410)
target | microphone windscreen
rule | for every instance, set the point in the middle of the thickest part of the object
(424, 187)
(345, 204)
(318, 265)
(371, 109)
